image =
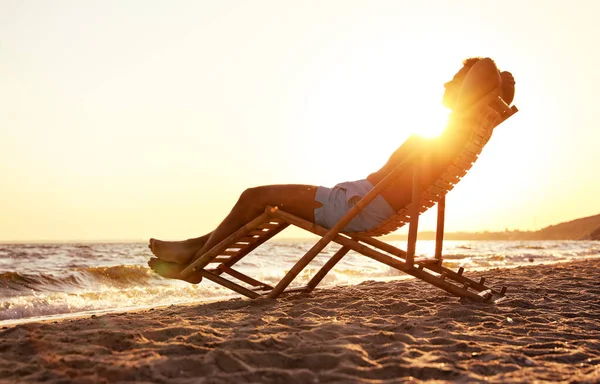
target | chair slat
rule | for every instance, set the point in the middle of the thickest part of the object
(463, 163)
(220, 259)
(248, 239)
(268, 225)
(229, 253)
(259, 232)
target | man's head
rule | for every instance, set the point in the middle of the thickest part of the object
(453, 87)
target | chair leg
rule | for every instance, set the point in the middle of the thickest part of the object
(439, 231)
(414, 218)
(298, 267)
(327, 237)
(326, 268)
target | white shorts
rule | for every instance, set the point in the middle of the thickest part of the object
(336, 203)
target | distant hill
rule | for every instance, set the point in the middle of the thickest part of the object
(586, 228)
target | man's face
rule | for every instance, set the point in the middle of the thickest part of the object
(453, 87)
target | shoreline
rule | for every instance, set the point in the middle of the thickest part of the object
(547, 329)
(212, 299)
(427, 235)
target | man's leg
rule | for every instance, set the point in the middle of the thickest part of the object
(299, 200)
(296, 199)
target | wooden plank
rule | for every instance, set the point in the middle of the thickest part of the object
(424, 208)
(401, 216)
(427, 203)
(449, 178)
(491, 118)
(472, 147)
(468, 152)
(463, 163)
(430, 196)
(484, 134)
(235, 247)
(436, 191)
(443, 185)
(454, 170)
(248, 239)
(268, 226)
(478, 139)
(423, 202)
(229, 253)
(219, 259)
(486, 124)
(468, 156)
(257, 232)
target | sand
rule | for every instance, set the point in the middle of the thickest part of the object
(548, 329)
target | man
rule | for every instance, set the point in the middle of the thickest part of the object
(325, 206)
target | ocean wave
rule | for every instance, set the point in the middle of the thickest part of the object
(19, 283)
(528, 246)
(457, 256)
(62, 303)
(41, 280)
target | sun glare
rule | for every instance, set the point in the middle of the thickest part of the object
(431, 123)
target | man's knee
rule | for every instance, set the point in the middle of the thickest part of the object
(254, 197)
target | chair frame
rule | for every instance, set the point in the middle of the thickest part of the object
(274, 220)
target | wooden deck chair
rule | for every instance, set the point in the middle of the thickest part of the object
(476, 121)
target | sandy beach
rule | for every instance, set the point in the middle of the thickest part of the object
(548, 329)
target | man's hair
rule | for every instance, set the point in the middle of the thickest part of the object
(508, 81)
(468, 63)
(508, 87)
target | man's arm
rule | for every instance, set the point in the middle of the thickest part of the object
(413, 143)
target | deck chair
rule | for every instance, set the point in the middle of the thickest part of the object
(476, 119)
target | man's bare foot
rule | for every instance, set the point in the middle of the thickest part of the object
(172, 270)
(180, 252)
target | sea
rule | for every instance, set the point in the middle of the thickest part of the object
(46, 281)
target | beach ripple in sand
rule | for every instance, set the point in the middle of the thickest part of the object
(548, 329)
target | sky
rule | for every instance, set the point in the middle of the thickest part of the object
(124, 120)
